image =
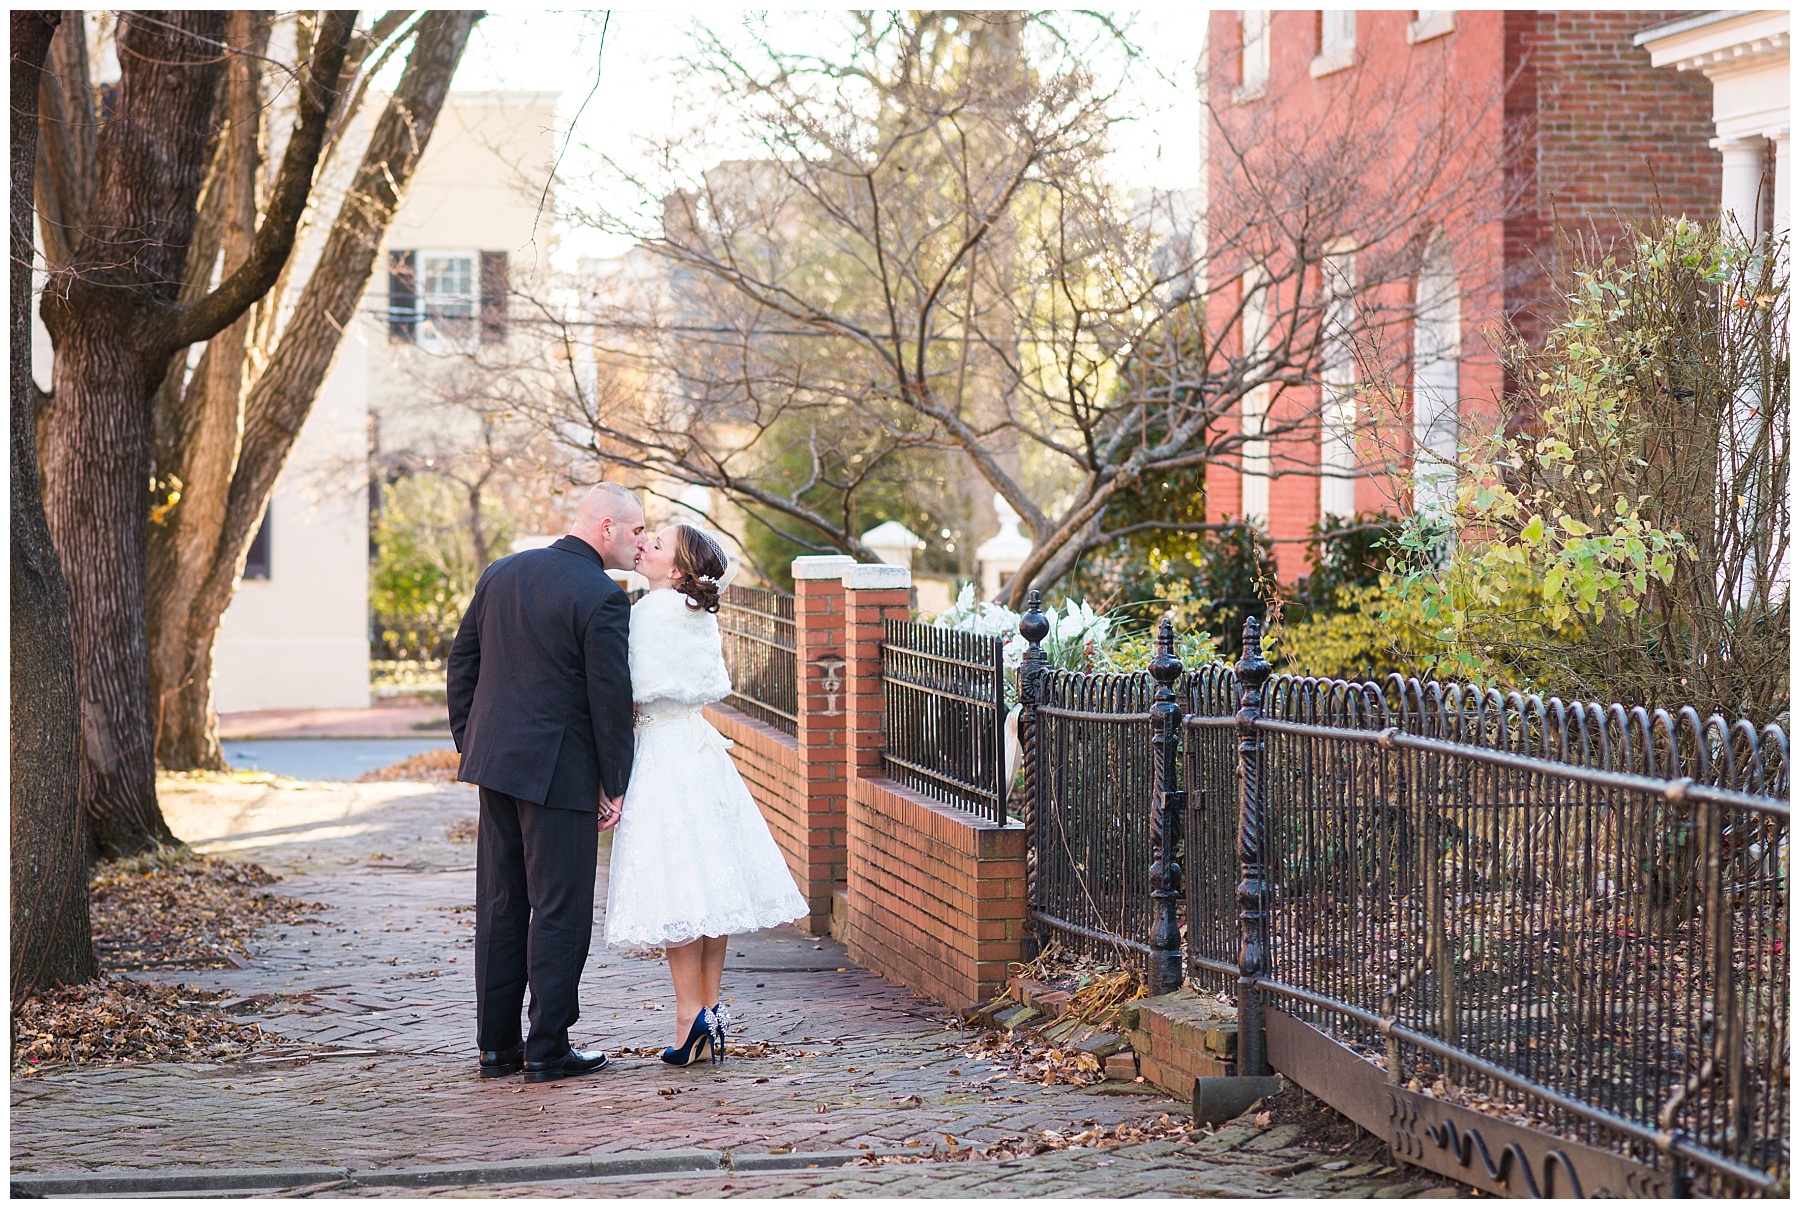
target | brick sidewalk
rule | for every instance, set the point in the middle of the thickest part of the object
(375, 1011)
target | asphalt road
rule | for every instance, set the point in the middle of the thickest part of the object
(324, 759)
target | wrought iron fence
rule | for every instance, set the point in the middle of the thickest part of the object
(1601, 951)
(1569, 915)
(410, 637)
(756, 626)
(946, 714)
(1090, 779)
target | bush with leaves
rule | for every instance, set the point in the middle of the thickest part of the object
(1208, 582)
(425, 568)
(1353, 640)
(1630, 542)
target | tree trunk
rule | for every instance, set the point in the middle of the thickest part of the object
(51, 937)
(200, 429)
(279, 399)
(117, 320)
(111, 316)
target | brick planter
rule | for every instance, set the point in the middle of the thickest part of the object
(936, 894)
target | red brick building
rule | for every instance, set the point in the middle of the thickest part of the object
(1561, 121)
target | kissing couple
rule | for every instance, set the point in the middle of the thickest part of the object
(577, 712)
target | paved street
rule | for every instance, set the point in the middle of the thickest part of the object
(375, 1071)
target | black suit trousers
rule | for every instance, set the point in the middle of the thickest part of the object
(534, 918)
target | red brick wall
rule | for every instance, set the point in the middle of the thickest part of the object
(937, 895)
(1609, 137)
(1598, 134)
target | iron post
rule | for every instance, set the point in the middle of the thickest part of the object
(1169, 804)
(1253, 891)
(1034, 627)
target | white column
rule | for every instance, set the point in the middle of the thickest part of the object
(1742, 179)
(1781, 182)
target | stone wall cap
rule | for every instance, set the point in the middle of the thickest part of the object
(877, 575)
(822, 566)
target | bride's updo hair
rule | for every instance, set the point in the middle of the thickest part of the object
(698, 563)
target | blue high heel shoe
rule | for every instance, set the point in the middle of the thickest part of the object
(699, 1043)
(721, 1020)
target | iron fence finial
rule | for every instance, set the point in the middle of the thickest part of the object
(1165, 668)
(1034, 626)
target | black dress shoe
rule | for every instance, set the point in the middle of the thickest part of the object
(499, 1063)
(574, 1062)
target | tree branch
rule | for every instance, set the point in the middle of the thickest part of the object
(275, 237)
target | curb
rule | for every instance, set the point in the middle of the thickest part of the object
(197, 1179)
(525, 1171)
(445, 1175)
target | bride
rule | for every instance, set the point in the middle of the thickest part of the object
(692, 858)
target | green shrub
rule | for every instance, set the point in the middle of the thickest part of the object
(1627, 539)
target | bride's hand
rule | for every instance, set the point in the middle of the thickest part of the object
(610, 810)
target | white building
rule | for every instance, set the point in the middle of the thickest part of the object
(297, 634)
(1745, 55)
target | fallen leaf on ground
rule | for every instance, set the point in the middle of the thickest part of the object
(177, 907)
(118, 1020)
(436, 766)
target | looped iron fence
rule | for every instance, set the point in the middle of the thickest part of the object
(946, 714)
(756, 626)
(1567, 914)
(1091, 773)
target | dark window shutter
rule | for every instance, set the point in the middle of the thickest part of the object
(493, 297)
(256, 563)
(403, 298)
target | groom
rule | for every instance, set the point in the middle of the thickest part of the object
(539, 689)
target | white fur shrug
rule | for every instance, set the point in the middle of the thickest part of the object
(675, 652)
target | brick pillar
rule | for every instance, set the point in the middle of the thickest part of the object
(873, 592)
(935, 897)
(820, 655)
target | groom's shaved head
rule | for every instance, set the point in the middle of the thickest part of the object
(606, 500)
(611, 520)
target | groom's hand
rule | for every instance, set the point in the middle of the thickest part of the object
(610, 809)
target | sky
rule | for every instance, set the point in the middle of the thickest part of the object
(639, 93)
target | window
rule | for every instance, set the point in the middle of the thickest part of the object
(1429, 23)
(1437, 353)
(1337, 390)
(1337, 41)
(256, 563)
(447, 297)
(1253, 55)
(1255, 476)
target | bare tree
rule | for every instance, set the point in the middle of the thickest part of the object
(225, 430)
(51, 937)
(506, 474)
(114, 311)
(211, 441)
(929, 255)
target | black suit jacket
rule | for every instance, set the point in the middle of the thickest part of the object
(539, 680)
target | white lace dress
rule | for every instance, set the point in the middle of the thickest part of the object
(691, 855)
